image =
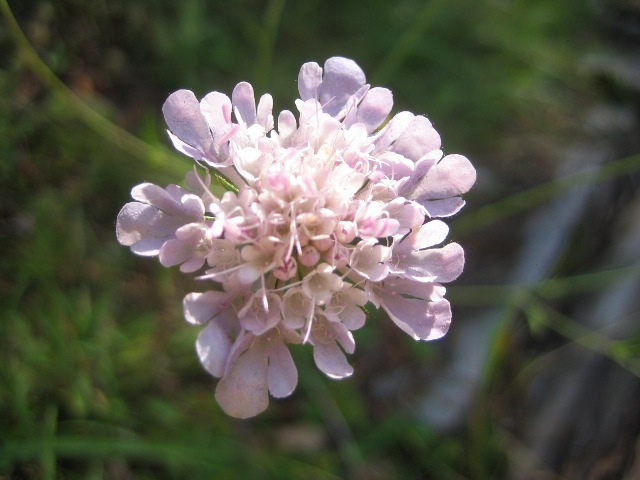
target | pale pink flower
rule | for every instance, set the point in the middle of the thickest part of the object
(332, 211)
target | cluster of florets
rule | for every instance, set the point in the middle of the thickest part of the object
(330, 213)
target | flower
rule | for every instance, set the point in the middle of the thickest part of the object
(331, 211)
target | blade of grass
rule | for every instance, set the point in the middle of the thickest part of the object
(81, 447)
(475, 295)
(267, 42)
(535, 196)
(155, 156)
(581, 335)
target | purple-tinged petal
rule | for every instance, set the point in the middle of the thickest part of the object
(174, 252)
(421, 167)
(331, 360)
(430, 234)
(375, 107)
(443, 208)
(244, 101)
(349, 111)
(418, 139)
(309, 80)
(407, 213)
(148, 247)
(157, 196)
(452, 176)
(192, 207)
(396, 166)
(200, 186)
(138, 222)
(213, 346)
(353, 318)
(342, 78)
(186, 149)
(216, 108)
(264, 114)
(344, 337)
(192, 264)
(253, 316)
(286, 124)
(439, 264)
(345, 308)
(405, 287)
(182, 114)
(199, 308)
(132, 222)
(282, 373)
(421, 319)
(392, 130)
(243, 391)
(370, 259)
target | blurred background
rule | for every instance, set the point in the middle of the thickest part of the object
(538, 377)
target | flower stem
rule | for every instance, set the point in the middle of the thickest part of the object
(155, 156)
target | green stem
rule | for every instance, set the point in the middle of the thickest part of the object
(156, 156)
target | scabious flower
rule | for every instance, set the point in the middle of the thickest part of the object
(331, 211)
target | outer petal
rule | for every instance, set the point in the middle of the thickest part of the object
(174, 252)
(286, 124)
(392, 130)
(213, 346)
(243, 391)
(253, 316)
(132, 222)
(245, 101)
(408, 288)
(156, 196)
(199, 308)
(216, 108)
(186, 149)
(309, 80)
(421, 319)
(396, 166)
(192, 264)
(145, 228)
(375, 107)
(345, 308)
(282, 372)
(344, 337)
(434, 265)
(182, 114)
(430, 234)
(342, 78)
(443, 208)
(421, 167)
(452, 176)
(264, 115)
(369, 259)
(331, 360)
(418, 139)
(148, 247)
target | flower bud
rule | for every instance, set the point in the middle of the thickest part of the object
(309, 256)
(345, 231)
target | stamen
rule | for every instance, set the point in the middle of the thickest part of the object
(311, 310)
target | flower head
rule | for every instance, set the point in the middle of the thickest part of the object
(332, 211)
